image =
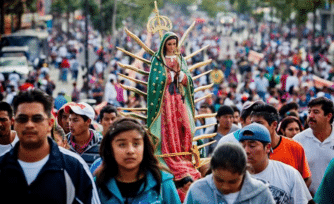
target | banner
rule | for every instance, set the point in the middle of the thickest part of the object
(255, 56)
(319, 82)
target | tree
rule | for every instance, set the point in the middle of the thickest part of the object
(183, 4)
(137, 11)
(59, 7)
(4, 7)
(243, 7)
(31, 5)
(303, 8)
(17, 8)
(212, 7)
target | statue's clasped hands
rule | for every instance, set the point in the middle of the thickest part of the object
(177, 76)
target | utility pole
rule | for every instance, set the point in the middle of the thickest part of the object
(86, 48)
(114, 25)
(102, 23)
(2, 18)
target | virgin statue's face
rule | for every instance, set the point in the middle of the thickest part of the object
(170, 46)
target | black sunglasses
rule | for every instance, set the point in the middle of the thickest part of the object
(34, 119)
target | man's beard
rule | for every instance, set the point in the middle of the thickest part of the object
(32, 145)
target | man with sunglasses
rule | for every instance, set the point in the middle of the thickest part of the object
(8, 137)
(36, 170)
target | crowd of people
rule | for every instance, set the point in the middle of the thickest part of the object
(274, 104)
(253, 164)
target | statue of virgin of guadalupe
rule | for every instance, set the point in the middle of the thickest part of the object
(170, 100)
(170, 106)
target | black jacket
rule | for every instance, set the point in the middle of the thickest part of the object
(65, 178)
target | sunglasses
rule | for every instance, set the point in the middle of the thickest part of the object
(34, 119)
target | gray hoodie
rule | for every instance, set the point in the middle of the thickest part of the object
(253, 191)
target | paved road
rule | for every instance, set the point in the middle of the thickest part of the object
(67, 87)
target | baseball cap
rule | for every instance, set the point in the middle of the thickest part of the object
(81, 108)
(255, 131)
(248, 105)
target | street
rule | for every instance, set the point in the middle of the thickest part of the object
(67, 87)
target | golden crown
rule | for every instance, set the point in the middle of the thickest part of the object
(159, 23)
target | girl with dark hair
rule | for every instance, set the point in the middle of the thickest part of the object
(289, 126)
(130, 173)
(229, 182)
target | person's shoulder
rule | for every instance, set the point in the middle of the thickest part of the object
(72, 157)
(4, 156)
(166, 175)
(201, 183)
(97, 136)
(303, 135)
(96, 164)
(234, 127)
(282, 167)
(254, 184)
(292, 143)
(330, 166)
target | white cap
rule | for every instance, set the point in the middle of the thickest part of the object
(81, 108)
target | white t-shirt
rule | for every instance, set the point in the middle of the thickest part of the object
(285, 183)
(2, 78)
(318, 154)
(6, 148)
(31, 169)
(231, 198)
(14, 77)
(291, 81)
(99, 66)
(110, 93)
(62, 51)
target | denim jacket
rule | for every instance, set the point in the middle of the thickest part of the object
(167, 195)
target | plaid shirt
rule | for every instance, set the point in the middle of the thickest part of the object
(90, 152)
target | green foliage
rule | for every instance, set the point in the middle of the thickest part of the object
(137, 10)
(180, 2)
(308, 5)
(243, 7)
(258, 16)
(58, 6)
(212, 7)
(303, 7)
(143, 10)
(61, 6)
(31, 5)
(283, 9)
(301, 17)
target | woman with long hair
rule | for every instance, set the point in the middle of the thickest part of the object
(130, 173)
(290, 126)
